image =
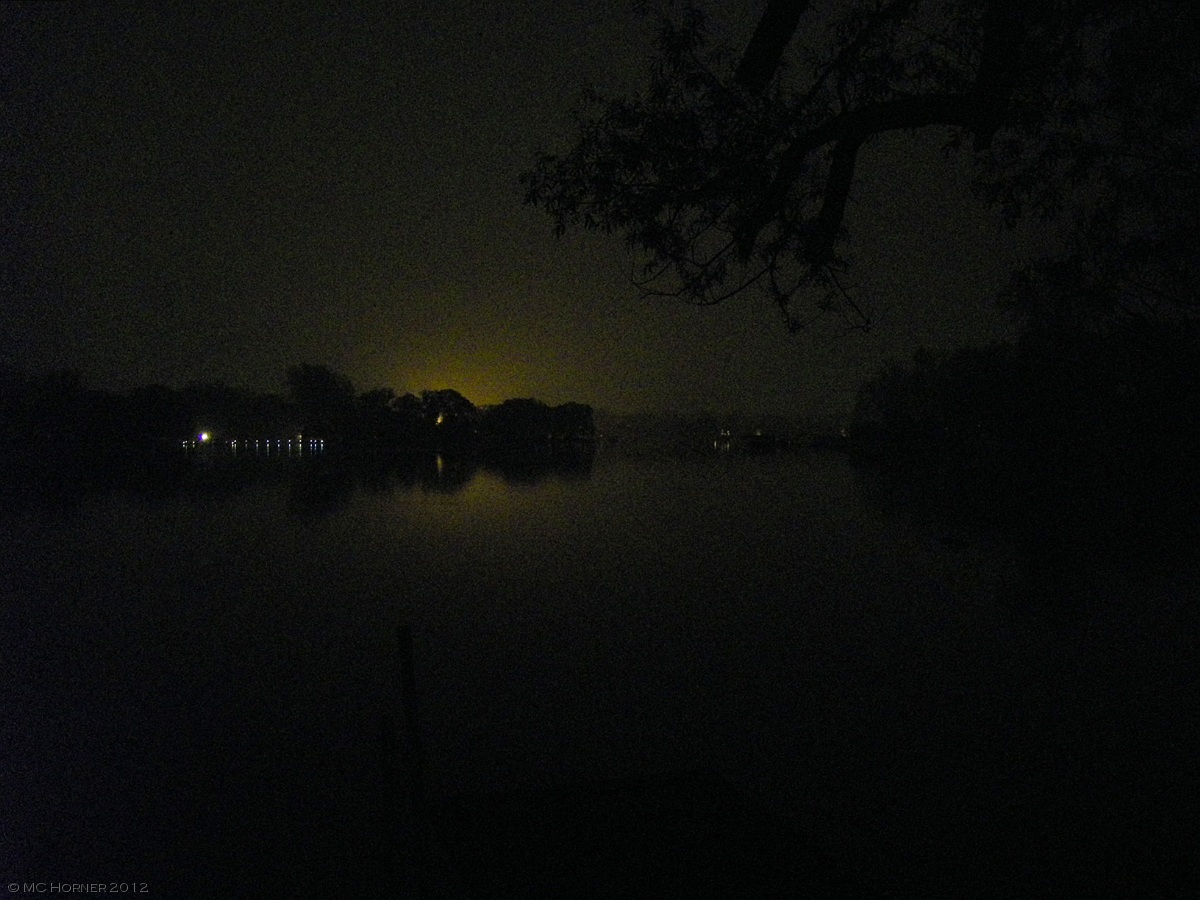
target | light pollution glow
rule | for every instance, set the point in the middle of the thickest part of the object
(486, 378)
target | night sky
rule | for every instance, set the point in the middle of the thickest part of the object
(216, 192)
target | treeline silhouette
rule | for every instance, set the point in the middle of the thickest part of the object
(1084, 441)
(54, 430)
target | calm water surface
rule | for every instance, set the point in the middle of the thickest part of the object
(193, 686)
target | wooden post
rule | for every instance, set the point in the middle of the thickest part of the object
(416, 760)
(396, 867)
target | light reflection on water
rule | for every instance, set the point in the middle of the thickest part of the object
(194, 685)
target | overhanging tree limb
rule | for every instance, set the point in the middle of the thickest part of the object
(765, 50)
(846, 133)
(720, 172)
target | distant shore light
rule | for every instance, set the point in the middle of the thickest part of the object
(203, 436)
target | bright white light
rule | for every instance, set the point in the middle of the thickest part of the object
(203, 437)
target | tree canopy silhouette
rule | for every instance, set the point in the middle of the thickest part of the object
(733, 172)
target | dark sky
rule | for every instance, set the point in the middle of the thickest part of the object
(219, 191)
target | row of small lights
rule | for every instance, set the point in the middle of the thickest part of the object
(299, 443)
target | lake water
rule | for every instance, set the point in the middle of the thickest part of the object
(193, 686)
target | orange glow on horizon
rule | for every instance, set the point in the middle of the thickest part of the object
(485, 380)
